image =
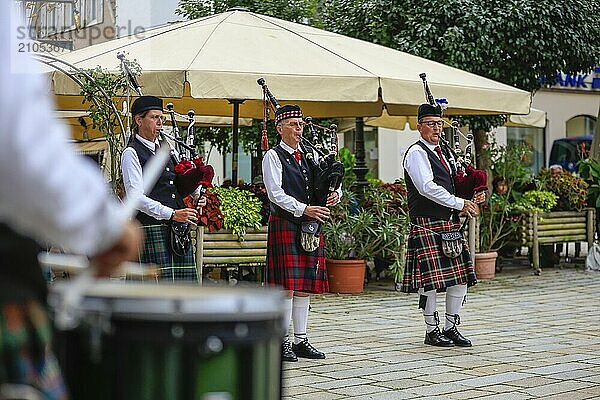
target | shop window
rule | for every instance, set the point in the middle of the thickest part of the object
(581, 125)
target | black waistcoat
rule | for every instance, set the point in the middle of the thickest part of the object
(421, 206)
(21, 277)
(164, 191)
(297, 181)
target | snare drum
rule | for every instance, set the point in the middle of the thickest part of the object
(140, 341)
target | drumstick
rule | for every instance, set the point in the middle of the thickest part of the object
(77, 264)
(66, 315)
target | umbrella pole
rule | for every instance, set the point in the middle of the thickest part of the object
(236, 136)
(360, 168)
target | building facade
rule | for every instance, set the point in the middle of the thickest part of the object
(75, 24)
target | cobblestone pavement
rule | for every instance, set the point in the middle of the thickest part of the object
(534, 337)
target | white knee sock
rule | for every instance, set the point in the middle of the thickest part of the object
(429, 309)
(300, 317)
(455, 296)
(287, 317)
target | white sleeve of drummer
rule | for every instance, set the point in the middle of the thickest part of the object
(47, 192)
(273, 180)
(418, 168)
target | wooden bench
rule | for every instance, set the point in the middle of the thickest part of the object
(223, 249)
(557, 227)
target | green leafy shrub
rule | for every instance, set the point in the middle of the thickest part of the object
(349, 161)
(240, 209)
(537, 201)
(589, 170)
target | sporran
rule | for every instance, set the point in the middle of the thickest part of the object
(452, 243)
(310, 235)
(180, 241)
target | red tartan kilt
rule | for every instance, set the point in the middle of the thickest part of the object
(288, 265)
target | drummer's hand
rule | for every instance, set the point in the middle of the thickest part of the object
(187, 215)
(126, 248)
(333, 199)
(319, 213)
(480, 197)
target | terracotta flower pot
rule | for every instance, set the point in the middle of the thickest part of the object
(485, 265)
(346, 276)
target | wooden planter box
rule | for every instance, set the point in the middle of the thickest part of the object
(223, 248)
(557, 227)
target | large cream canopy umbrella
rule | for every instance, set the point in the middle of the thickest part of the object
(201, 64)
(535, 119)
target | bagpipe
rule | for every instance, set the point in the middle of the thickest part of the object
(467, 180)
(327, 170)
(191, 172)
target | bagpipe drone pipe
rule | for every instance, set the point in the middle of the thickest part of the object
(467, 180)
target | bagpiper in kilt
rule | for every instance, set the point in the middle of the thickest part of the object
(433, 210)
(288, 179)
(163, 204)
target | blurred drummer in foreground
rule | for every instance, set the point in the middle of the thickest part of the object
(49, 194)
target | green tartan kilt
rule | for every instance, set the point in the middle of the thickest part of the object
(156, 251)
(25, 355)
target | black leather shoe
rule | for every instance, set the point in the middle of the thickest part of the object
(458, 339)
(287, 354)
(437, 338)
(306, 350)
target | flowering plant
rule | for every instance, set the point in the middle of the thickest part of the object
(191, 174)
(499, 220)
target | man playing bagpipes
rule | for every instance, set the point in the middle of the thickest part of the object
(162, 208)
(438, 258)
(289, 178)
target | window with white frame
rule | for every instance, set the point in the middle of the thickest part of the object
(60, 17)
(91, 11)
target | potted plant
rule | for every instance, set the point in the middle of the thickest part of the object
(349, 242)
(498, 225)
(389, 205)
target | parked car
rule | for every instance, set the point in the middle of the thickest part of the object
(567, 151)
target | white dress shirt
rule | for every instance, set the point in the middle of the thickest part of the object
(134, 184)
(273, 179)
(416, 164)
(47, 192)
